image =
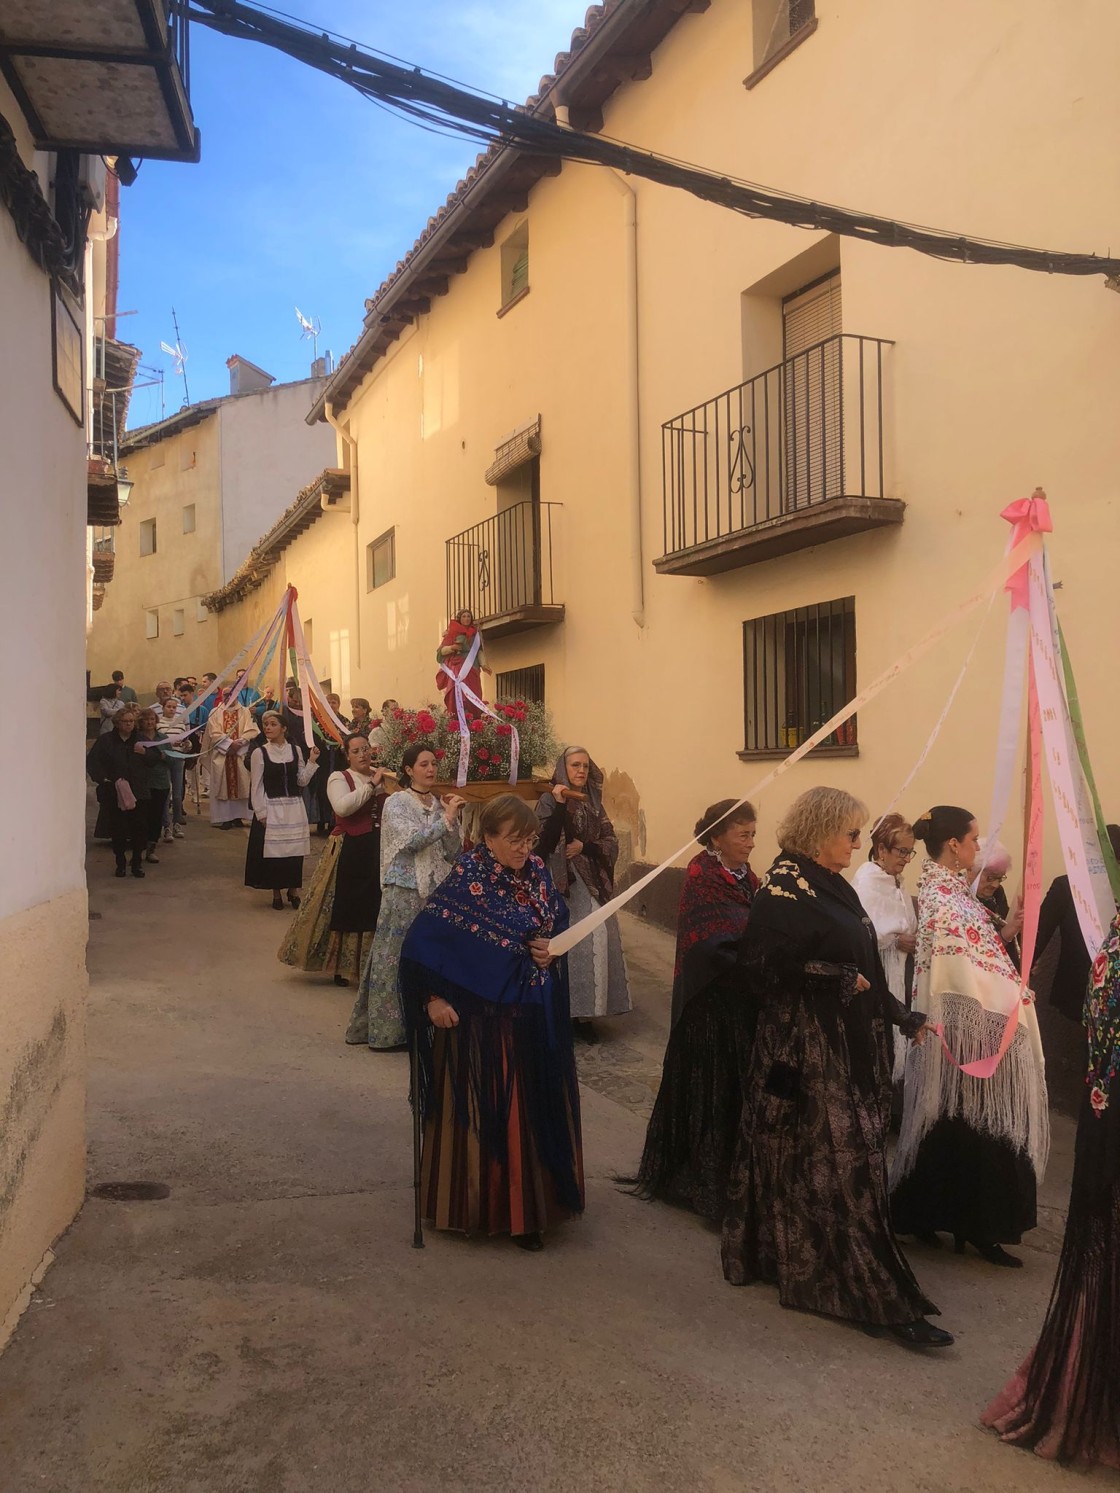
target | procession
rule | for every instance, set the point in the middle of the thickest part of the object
(560, 916)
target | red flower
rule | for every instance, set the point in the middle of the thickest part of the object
(521, 704)
(483, 771)
(439, 754)
(1098, 1099)
(972, 934)
(475, 889)
(375, 723)
(453, 726)
(477, 726)
(398, 715)
(483, 754)
(504, 730)
(425, 721)
(1100, 970)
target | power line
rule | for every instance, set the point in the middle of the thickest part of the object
(440, 105)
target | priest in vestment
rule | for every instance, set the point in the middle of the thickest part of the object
(229, 733)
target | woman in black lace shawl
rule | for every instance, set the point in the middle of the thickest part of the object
(692, 1131)
(808, 1205)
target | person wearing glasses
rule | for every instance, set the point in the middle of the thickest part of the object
(808, 1205)
(420, 838)
(971, 1151)
(487, 1002)
(995, 863)
(878, 885)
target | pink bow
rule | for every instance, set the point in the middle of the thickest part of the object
(1026, 516)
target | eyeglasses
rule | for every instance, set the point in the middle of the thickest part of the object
(994, 879)
(521, 842)
(907, 855)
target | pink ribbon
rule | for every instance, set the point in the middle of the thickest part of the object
(1026, 516)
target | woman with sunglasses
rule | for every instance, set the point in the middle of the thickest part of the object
(878, 884)
(971, 1151)
(807, 1204)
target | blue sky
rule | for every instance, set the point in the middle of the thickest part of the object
(306, 194)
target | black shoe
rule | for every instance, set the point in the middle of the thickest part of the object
(294, 899)
(341, 980)
(138, 871)
(122, 869)
(584, 1031)
(922, 1334)
(532, 1242)
(277, 902)
(995, 1254)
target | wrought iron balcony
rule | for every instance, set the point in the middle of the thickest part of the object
(503, 570)
(791, 458)
(107, 79)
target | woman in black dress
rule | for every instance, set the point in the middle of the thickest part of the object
(278, 836)
(1064, 1402)
(692, 1132)
(116, 763)
(807, 1206)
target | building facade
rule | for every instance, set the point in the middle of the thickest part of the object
(64, 381)
(206, 482)
(703, 476)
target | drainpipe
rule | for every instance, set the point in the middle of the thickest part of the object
(633, 387)
(343, 432)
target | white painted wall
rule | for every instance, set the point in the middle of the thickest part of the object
(268, 453)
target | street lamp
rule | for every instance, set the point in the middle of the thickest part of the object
(124, 486)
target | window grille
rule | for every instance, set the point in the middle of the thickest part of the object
(522, 684)
(799, 668)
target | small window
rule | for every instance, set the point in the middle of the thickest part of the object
(186, 456)
(521, 684)
(178, 622)
(200, 611)
(515, 266)
(151, 624)
(778, 27)
(381, 560)
(148, 536)
(799, 668)
(188, 518)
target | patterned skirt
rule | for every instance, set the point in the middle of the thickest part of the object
(377, 1018)
(311, 943)
(598, 982)
(468, 1188)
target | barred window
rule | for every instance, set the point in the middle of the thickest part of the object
(799, 668)
(522, 684)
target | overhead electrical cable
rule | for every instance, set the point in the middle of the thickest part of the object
(437, 104)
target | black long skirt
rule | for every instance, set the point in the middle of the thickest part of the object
(268, 875)
(967, 1182)
(694, 1127)
(357, 887)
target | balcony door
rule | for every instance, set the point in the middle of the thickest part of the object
(811, 327)
(515, 575)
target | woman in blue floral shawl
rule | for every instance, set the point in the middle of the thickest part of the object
(489, 1008)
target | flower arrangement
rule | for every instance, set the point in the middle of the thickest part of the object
(490, 739)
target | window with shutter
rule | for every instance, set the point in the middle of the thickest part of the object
(811, 328)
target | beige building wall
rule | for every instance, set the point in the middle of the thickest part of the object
(43, 916)
(997, 380)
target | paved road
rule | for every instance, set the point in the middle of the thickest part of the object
(268, 1327)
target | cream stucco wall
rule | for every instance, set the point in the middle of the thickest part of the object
(42, 883)
(992, 120)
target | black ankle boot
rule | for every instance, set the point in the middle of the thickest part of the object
(122, 866)
(137, 868)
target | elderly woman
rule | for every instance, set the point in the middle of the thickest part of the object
(498, 1097)
(159, 781)
(1064, 1402)
(578, 842)
(121, 768)
(971, 1151)
(878, 885)
(339, 913)
(690, 1140)
(420, 837)
(993, 863)
(278, 836)
(807, 1206)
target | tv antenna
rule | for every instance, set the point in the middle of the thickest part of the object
(179, 354)
(312, 326)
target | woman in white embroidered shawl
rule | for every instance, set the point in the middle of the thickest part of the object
(420, 839)
(972, 1151)
(878, 885)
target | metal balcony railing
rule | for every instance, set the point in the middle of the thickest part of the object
(806, 431)
(504, 565)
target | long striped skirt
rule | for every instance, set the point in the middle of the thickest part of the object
(470, 1189)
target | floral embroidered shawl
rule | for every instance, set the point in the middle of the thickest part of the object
(711, 919)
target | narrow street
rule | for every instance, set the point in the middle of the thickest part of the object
(267, 1326)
